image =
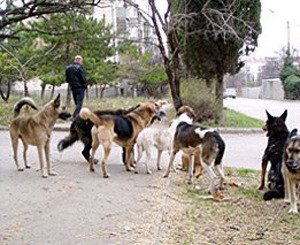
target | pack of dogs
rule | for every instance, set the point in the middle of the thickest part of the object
(201, 148)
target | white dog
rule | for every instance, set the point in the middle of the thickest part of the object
(161, 139)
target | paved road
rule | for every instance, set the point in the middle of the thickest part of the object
(256, 108)
(79, 207)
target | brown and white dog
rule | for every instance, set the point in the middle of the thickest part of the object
(35, 130)
(291, 171)
(122, 129)
(189, 138)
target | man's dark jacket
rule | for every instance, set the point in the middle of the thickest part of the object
(76, 76)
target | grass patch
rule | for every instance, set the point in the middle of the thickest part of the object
(234, 119)
(237, 219)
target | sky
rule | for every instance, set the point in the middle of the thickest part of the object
(274, 17)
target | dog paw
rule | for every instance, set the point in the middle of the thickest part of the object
(27, 166)
(190, 182)
(129, 169)
(149, 172)
(260, 187)
(286, 201)
(166, 175)
(107, 175)
(293, 211)
(20, 169)
(158, 168)
(52, 173)
(45, 175)
(136, 172)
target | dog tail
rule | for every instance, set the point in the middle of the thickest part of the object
(69, 140)
(86, 114)
(221, 145)
(24, 101)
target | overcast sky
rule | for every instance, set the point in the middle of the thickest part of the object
(274, 17)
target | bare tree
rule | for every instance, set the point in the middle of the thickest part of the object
(22, 10)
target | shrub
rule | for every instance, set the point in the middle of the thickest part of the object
(292, 87)
(195, 93)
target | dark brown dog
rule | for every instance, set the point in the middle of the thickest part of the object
(122, 130)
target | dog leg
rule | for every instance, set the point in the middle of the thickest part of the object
(220, 171)
(15, 143)
(40, 152)
(171, 163)
(191, 169)
(287, 194)
(264, 164)
(95, 146)
(211, 175)
(129, 158)
(159, 152)
(47, 154)
(139, 157)
(107, 148)
(148, 154)
(25, 148)
(293, 197)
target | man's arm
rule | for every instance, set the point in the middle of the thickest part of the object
(82, 77)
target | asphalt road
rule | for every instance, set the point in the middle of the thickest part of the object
(80, 207)
(256, 108)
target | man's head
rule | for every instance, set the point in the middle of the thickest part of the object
(78, 59)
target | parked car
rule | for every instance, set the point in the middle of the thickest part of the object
(229, 93)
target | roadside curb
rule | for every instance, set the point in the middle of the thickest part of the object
(66, 127)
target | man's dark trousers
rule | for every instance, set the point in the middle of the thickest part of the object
(78, 95)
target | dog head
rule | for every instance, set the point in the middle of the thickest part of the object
(54, 108)
(292, 154)
(276, 125)
(188, 110)
(148, 110)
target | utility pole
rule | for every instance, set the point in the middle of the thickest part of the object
(288, 39)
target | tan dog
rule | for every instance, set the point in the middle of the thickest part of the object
(34, 130)
(122, 130)
(291, 171)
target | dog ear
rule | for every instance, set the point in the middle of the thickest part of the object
(284, 115)
(270, 117)
(56, 102)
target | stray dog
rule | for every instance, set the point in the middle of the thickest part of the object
(277, 133)
(188, 138)
(122, 130)
(291, 170)
(153, 136)
(35, 130)
(81, 130)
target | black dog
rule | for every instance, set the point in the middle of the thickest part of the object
(81, 130)
(277, 133)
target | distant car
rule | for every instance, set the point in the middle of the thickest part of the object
(229, 93)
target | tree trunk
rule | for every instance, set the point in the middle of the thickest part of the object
(52, 91)
(102, 88)
(43, 91)
(97, 90)
(68, 100)
(26, 92)
(4, 96)
(87, 92)
(219, 118)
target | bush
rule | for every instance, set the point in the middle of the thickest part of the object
(195, 93)
(292, 87)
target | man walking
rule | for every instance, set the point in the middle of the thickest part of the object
(76, 78)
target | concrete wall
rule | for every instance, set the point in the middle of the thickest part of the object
(270, 89)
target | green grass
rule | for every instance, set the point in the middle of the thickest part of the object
(234, 119)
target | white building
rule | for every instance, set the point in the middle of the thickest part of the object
(128, 20)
